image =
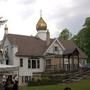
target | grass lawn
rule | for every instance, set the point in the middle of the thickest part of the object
(81, 85)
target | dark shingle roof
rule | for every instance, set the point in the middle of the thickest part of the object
(32, 46)
(70, 46)
(28, 45)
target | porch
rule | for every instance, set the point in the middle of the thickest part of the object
(69, 61)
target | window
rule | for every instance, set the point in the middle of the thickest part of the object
(7, 62)
(48, 61)
(29, 63)
(21, 62)
(26, 79)
(22, 79)
(33, 63)
(29, 78)
(66, 67)
(38, 64)
(56, 48)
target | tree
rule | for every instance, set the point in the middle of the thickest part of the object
(2, 21)
(65, 34)
(87, 22)
(82, 39)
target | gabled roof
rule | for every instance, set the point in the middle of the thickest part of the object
(70, 46)
(28, 45)
(32, 46)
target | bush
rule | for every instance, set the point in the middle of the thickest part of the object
(48, 79)
(41, 82)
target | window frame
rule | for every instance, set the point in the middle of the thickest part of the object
(55, 48)
(38, 63)
(7, 62)
(29, 63)
(33, 63)
(21, 62)
(48, 61)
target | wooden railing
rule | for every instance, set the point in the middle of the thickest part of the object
(52, 68)
(55, 68)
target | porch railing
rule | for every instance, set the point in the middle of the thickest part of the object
(52, 67)
(66, 67)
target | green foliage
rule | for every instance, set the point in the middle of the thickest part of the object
(65, 34)
(82, 39)
(81, 85)
(87, 22)
(41, 82)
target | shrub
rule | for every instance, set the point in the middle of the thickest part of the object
(41, 82)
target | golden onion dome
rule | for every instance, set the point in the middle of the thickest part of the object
(41, 25)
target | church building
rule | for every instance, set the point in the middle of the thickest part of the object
(40, 53)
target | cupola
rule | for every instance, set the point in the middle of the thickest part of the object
(41, 25)
(41, 28)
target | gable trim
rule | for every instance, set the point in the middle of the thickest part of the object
(60, 44)
(52, 44)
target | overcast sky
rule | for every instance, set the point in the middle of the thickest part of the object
(22, 15)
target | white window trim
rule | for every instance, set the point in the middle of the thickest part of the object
(36, 63)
